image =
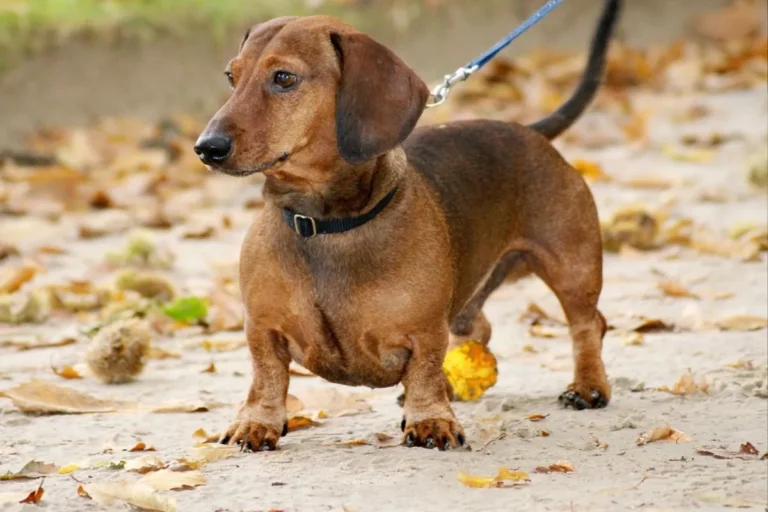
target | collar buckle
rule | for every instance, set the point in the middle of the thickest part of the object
(304, 226)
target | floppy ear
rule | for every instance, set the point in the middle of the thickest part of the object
(379, 100)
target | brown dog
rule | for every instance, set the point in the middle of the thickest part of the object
(377, 246)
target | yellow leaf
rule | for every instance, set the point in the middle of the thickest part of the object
(201, 436)
(662, 434)
(590, 170)
(205, 453)
(12, 279)
(69, 468)
(471, 369)
(694, 155)
(138, 495)
(300, 422)
(504, 474)
(633, 339)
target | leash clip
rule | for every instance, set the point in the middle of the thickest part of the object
(440, 93)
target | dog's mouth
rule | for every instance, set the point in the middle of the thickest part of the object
(242, 172)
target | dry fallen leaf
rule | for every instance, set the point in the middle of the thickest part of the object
(134, 493)
(534, 314)
(36, 343)
(662, 434)
(32, 469)
(504, 474)
(201, 436)
(223, 345)
(300, 423)
(35, 496)
(167, 480)
(536, 417)
(686, 385)
(742, 323)
(211, 368)
(32, 497)
(67, 372)
(145, 464)
(747, 451)
(330, 402)
(560, 466)
(675, 289)
(590, 170)
(648, 325)
(633, 339)
(11, 279)
(42, 397)
(208, 452)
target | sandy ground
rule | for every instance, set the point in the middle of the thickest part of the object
(611, 472)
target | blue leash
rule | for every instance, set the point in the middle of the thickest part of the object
(440, 93)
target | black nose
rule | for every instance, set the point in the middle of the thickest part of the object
(213, 148)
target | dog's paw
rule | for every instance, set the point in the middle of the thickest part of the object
(251, 436)
(439, 433)
(584, 397)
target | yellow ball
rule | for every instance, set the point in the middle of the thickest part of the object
(471, 369)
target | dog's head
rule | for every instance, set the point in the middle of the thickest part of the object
(307, 93)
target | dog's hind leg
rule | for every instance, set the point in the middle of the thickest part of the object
(470, 323)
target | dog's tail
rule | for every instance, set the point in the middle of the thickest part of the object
(557, 122)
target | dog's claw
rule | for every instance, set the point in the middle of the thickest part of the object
(439, 433)
(250, 436)
(574, 400)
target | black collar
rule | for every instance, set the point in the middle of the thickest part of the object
(308, 227)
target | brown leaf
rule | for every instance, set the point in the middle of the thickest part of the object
(747, 451)
(211, 368)
(560, 466)
(141, 447)
(742, 323)
(536, 417)
(686, 385)
(534, 314)
(662, 434)
(199, 233)
(35, 496)
(647, 325)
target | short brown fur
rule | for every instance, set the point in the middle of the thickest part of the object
(380, 304)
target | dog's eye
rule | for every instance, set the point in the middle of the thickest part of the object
(230, 78)
(285, 80)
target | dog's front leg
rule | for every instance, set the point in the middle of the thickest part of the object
(262, 418)
(428, 419)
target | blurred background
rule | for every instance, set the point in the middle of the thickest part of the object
(70, 61)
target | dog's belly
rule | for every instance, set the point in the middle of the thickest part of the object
(354, 364)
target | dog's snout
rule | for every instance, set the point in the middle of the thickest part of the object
(213, 148)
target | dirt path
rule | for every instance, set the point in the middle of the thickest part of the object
(610, 471)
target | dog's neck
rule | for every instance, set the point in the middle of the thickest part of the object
(351, 190)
